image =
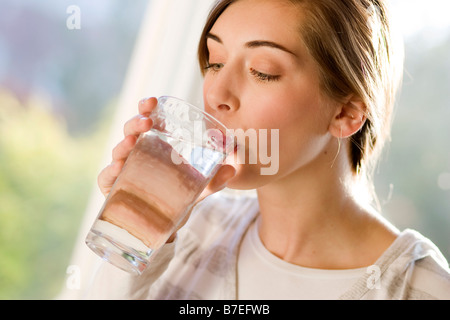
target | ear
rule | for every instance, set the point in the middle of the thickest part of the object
(349, 118)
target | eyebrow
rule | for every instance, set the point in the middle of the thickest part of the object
(255, 43)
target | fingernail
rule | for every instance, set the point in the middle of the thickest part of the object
(143, 120)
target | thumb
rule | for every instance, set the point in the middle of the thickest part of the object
(219, 181)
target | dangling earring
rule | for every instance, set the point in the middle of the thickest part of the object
(339, 147)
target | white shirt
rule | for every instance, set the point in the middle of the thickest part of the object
(264, 276)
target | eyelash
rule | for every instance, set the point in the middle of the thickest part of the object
(263, 77)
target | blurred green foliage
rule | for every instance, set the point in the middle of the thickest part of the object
(46, 177)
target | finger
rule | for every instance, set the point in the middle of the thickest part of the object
(141, 123)
(120, 153)
(108, 176)
(123, 149)
(147, 105)
(137, 125)
(219, 182)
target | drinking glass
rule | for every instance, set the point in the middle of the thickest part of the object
(164, 175)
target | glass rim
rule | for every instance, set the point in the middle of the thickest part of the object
(209, 116)
(227, 133)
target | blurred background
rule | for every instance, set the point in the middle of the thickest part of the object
(69, 69)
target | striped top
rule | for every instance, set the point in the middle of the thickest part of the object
(202, 263)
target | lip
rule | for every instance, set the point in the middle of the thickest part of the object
(236, 145)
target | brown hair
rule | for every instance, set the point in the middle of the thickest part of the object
(354, 48)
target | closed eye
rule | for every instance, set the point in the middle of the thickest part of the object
(263, 76)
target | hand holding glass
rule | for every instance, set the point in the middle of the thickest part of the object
(165, 173)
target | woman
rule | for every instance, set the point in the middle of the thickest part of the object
(324, 73)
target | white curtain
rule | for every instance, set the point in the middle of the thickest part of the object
(164, 62)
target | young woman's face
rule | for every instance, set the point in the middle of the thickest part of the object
(260, 76)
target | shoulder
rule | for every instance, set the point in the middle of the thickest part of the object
(426, 269)
(415, 269)
(412, 268)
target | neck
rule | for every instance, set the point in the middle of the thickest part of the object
(311, 218)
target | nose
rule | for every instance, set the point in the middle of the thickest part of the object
(221, 91)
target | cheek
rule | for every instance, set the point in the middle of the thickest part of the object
(302, 114)
(303, 129)
(267, 111)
